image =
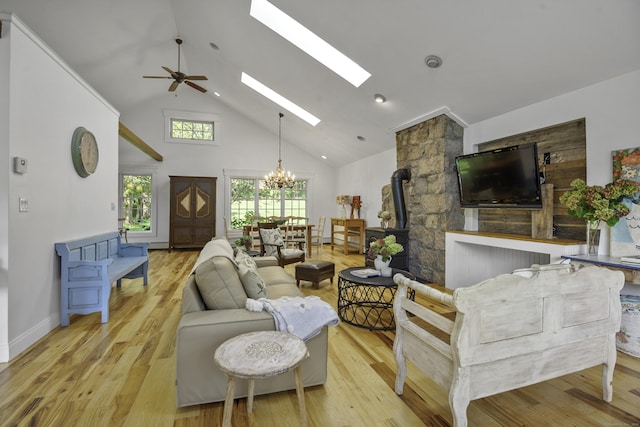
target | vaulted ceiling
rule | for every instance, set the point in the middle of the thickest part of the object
(498, 55)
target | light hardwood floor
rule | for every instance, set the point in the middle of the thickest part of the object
(123, 373)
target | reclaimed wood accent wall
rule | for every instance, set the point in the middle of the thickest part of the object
(564, 146)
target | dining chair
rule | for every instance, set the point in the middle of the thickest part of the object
(317, 237)
(296, 231)
(273, 244)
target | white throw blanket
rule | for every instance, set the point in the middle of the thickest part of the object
(303, 317)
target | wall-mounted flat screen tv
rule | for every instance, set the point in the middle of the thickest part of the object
(502, 178)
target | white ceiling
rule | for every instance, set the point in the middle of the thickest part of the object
(498, 55)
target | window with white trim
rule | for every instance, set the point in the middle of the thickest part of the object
(250, 197)
(188, 127)
(138, 200)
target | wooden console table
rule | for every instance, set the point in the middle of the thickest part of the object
(351, 227)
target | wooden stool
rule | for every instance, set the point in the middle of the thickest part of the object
(257, 355)
(315, 271)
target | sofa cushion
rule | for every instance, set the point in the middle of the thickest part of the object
(218, 246)
(219, 284)
(271, 236)
(283, 290)
(275, 275)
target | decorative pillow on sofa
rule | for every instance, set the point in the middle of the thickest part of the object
(271, 237)
(254, 285)
(219, 284)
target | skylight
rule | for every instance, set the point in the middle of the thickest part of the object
(313, 45)
(279, 99)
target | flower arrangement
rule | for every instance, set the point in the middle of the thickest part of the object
(595, 203)
(385, 247)
(243, 241)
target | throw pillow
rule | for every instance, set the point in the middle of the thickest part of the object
(271, 236)
(218, 282)
(254, 285)
(246, 260)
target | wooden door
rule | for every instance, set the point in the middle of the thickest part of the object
(192, 211)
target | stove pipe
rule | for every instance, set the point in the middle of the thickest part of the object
(398, 196)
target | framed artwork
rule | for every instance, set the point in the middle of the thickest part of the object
(625, 235)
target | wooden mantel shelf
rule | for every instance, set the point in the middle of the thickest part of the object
(554, 241)
(137, 142)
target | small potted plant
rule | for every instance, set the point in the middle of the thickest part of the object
(244, 241)
(383, 249)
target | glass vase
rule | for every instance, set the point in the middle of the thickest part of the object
(593, 238)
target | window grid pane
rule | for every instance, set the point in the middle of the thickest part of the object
(135, 202)
(251, 197)
(242, 201)
(192, 130)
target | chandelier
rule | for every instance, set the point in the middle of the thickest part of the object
(279, 178)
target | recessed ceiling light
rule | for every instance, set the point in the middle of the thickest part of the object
(214, 46)
(216, 93)
(433, 61)
(379, 98)
(324, 157)
(279, 99)
(306, 40)
(361, 138)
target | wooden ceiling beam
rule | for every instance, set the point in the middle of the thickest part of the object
(135, 140)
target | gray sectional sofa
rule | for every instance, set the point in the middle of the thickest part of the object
(213, 310)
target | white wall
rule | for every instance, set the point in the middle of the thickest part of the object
(244, 146)
(611, 109)
(365, 178)
(46, 102)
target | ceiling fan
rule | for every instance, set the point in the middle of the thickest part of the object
(179, 77)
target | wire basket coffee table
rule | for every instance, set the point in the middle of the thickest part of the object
(368, 302)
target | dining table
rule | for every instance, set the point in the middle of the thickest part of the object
(252, 229)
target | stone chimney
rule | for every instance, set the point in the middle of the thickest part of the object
(428, 150)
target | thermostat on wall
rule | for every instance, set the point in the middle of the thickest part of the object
(19, 165)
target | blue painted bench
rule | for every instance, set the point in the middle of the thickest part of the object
(89, 266)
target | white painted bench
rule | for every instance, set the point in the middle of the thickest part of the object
(89, 266)
(510, 332)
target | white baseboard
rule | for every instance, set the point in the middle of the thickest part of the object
(30, 337)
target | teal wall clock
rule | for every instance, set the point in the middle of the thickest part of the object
(84, 152)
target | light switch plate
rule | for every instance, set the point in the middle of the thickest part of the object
(24, 205)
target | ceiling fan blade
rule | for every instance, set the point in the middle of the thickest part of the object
(173, 86)
(196, 78)
(157, 77)
(168, 70)
(195, 86)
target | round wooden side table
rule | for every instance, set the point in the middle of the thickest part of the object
(258, 355)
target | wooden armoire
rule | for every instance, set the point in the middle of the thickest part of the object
(192, 214)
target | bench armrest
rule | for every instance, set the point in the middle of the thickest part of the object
(133, 249)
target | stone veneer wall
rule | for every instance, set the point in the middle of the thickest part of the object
(428, 150)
